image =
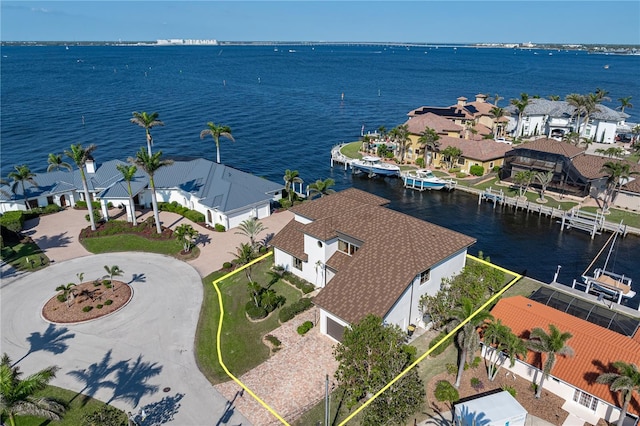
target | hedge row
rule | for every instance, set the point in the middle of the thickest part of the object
(174, 207)
(288, 312)
(14, 220)
(303, 285)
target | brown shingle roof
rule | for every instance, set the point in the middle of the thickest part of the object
(418, 123)
(593, 345)
(396, 247)
(590, 166)
(338, 261)
(481, 150)
(330, 206)
(290, 239)
(553, 146)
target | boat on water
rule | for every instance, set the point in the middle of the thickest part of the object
(374, 166)
(607, 283)
(422, 179)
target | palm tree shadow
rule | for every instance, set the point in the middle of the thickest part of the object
(131, 380)
(52, 340)
(267, 239)
(229, 409)
(163, 411)
(203, 239)
(94, 376)
(440, 420)
(138, 278)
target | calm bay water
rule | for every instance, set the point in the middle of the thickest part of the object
(288, 108)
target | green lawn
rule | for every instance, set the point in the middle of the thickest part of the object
(115, 243)
(25, 256)
(78, 407)
(241, 339)
(351, 150)
(617, 215)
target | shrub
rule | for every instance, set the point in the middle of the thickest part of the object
(476, 170)
(96, 216)
(510, 389)
(476, 384)
(451, 368)
(13, 220)
(61, 298)
(194, 216)
(105, 416)
(445, 392)
(476, 362)
(219, 227)
(108, 302)
(303, 285)
(495, 169)
(51, 208)
(285, 203)
(87, 308)
(288, 312)
(99, 306)
(255, 312)
(461, 175)
(227, 265)
(420, 162)
(305, 327)
(273, 340)
(437, 351)
(454, 170)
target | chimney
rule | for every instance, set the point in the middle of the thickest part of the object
(90, 165)
(480, 97)
(462, 101)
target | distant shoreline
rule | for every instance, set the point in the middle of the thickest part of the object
(620, 49)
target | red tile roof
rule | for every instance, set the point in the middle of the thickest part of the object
(418, 123)
(593, 345)
(481, 150)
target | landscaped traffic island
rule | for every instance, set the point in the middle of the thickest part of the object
(89, 300)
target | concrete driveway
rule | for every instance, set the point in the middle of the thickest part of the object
(141, 357)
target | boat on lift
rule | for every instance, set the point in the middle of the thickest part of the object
(374, 166)
(422, 179)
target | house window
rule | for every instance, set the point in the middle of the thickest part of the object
(347, 248)
(461, 161)
(297, 263)
(585, 399)
(424, 276)
(491, 165)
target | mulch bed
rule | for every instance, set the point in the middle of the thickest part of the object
(87, 294)
(548, 407)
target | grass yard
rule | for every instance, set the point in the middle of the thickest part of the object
(116, 243)
(617, 215)
(241, 339)
(351, 150)
(25, 256)
(76, 408)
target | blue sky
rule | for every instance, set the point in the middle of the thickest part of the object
(451, 21)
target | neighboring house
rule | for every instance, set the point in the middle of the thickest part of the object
(225, 195)
(557, 118)
(596, 347)
(366, 258)
(486, 153)
(417, 125)
(575, 172)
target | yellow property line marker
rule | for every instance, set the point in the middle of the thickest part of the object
(516, 278)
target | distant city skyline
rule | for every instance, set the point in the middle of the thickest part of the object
(453, 21)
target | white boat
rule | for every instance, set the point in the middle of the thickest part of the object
(374, 166)
(607, 283)
(424, 179)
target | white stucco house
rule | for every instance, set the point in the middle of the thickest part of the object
(554, 119)
(224, 195)
(366, 258)
(595, 349)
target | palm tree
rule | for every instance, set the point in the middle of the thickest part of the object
(578, 102)
(150, 163)
(21, 175)
(467, 336)
(549, 346)
(128, 173)
(624, 103)
(400, 135)
(574, 138)
(147, 121)
(453, 154)
(601, 95)
(244, 255)
(113, 271)
(496, 98)
(290, 179)
(626, 380)
(504, 344)
(56, 162)
(80, 156)
(520, 104)
(617, 173)
(497, 114)
(429, 142)
(16, 394)
(544, 179)
(251, 228)
(216, 131)
(67, 292)
(523, 179)
(186, 235)
(553, 97)
(322, 187)
(614, 151)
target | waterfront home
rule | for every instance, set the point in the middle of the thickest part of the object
(595, 347)
(224, 195)
(486, 153)
(366, 258)
(575, 172)
(557, 118)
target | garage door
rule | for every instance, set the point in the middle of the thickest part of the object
(335, 329)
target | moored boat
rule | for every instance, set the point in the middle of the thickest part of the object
(425, 179)
(610, 284)
(374, 166)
